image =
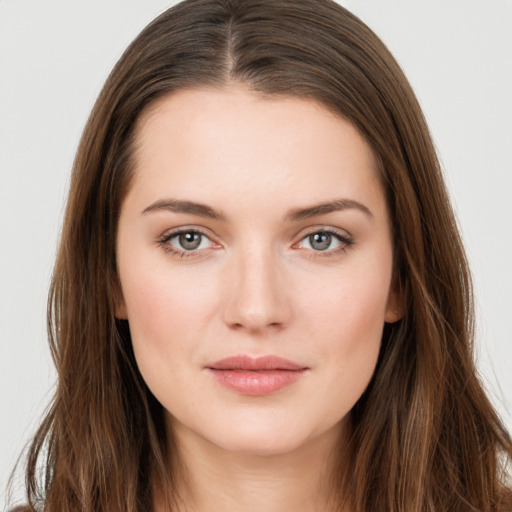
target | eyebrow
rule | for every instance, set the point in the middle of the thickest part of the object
(327, 207)
(203, 210)
(176, 205)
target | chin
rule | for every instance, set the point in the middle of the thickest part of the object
(270, 436)
(260, 445)
(253, 435)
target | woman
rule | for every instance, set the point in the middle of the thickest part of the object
(261, 300)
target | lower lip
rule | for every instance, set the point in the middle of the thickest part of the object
(256, 383)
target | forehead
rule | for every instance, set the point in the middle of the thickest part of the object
(232, 141)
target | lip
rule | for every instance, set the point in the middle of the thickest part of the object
(260, 376)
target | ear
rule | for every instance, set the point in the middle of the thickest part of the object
(395, 307)
(120, 305)
(121, 313)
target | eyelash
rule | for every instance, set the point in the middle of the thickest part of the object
(345, 241)
(169, 248)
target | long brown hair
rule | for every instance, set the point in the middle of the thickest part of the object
(425, 437)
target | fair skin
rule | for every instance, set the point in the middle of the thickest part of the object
(259, 272)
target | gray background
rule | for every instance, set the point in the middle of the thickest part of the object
(54, 58)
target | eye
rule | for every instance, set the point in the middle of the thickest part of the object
(325, 241)
(189, 241)
(185, 242)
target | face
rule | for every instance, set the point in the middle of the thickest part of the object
(255, 260)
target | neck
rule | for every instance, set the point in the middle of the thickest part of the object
(212, 479)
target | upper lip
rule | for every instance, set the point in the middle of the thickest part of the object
(244, 362)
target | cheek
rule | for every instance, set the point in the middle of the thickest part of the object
(167, 314)
(349, 303)
(346, 319)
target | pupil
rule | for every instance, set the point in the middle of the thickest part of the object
(190, 241)
(320, 241)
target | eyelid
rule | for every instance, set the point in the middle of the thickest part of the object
(165, 238)
(345, 238)
(322, 228)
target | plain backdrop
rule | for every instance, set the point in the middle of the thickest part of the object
(54, 58)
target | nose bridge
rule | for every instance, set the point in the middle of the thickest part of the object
(257, 298)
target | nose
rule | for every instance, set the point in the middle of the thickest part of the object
(257, 296)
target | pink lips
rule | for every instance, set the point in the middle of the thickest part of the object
(259, 376)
